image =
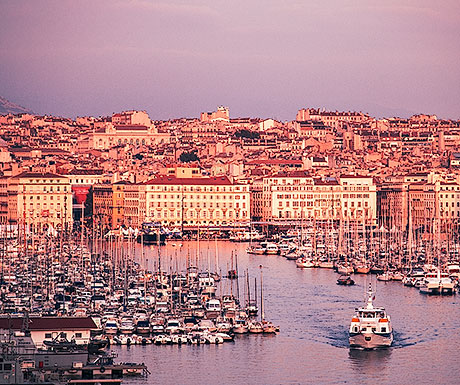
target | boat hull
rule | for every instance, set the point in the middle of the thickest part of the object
(370, 340)
(152, 239)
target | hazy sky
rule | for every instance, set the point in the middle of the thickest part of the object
(261, 58)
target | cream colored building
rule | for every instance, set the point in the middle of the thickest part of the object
(131, 128)
(222, 114)
(331, 118)
(40, 200)
(198, 201)
(295, 196)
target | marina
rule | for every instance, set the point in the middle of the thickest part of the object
(314, 316)
(209, 315)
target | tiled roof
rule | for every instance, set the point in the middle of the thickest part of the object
(28, 174)
(211, 181)
(274, 161)
(49, 323)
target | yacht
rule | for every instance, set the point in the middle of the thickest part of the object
(271, 249)
(111, 326)
(447, 284)
(304, 262)
(431, 284)
(127, 326)
(241, 326)
(370, 327)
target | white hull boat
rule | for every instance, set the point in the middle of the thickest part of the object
(370, 328)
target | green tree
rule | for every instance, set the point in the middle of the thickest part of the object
(190, 156)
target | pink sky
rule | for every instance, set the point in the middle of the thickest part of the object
(261, 58)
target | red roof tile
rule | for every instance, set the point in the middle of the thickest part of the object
(211, 181)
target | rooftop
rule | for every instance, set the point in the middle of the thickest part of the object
(49, 323)
(210, 181)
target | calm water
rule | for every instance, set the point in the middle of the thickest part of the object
(312, 347)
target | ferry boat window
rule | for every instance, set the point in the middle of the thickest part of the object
(7, 367)
(384, 330)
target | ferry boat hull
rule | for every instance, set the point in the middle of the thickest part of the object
(370, 340)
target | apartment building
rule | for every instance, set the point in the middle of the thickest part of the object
(199, 201)
(295, 196)
(40, 200)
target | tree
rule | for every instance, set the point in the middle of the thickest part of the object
(247, 134)
(190, 156)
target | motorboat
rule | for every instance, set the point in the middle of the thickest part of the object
(268, 327)
(174, 326)
(304, 262)
(127, 326)
(256, 327)
(143, 326)
(326, 264)
(240, 326)
(271, 249)
(362, 269)
(345, 268)
(431, 284)
(385, 277)
(447, 284)
(370, 328)
(111, 326)
(345, 280)
(453, 269)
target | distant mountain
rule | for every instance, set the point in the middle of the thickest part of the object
(7, 107)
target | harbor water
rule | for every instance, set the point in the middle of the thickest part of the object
(314, 315)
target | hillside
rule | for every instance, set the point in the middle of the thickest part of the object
(7, 107)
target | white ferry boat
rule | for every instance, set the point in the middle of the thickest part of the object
(370, 327)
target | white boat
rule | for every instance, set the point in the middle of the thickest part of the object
(271, 249)
(431, 284)
(304, 263)
(240, 326)
(387, 276)
(256, 327)
(447, 284)
(345, 269)
(174, 326)
(326, 264)
(111, 327)
(127, 326)
(370, 328)
(453, 269)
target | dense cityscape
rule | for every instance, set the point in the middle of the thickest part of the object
(126, 169)
(102, 218)
(247, 192)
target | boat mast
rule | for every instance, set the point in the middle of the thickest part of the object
(261, 294)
